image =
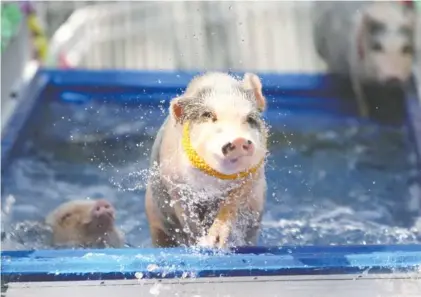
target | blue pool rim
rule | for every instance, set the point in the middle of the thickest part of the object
(54, 265)
(157, 263)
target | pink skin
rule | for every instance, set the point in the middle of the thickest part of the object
(102, 215)
(238, 148)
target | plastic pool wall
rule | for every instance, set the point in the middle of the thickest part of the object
(318, 94)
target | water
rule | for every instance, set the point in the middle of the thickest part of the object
(331, 181)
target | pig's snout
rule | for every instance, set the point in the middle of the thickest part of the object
(237, 148)
(103, 212)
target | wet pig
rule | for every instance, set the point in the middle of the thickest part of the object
(207, 183)
(85, 223)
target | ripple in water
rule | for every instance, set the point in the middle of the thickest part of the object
(331, 182)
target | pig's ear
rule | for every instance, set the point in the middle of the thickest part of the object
(177, 109)
(252, 82)
(366, 27)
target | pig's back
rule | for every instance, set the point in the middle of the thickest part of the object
(216, 81)
(332, 32)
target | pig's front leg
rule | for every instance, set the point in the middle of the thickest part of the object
(219, 232)
(355, 73)
(360, 96)
(225, 221)
(189, 221)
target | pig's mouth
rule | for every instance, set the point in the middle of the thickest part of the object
(101, 223)
(101, 226)
(236, 164)
(233, 161)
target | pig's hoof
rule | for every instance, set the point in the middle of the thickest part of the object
(217, 236)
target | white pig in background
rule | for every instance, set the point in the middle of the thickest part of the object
(371, 42)
(207, 183)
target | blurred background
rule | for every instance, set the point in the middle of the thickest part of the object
(272, 36)
(183, 35)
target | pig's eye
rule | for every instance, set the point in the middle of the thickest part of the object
(252, 122)
(377, 47)
(65, 217)
(407, 49)
(208, 115)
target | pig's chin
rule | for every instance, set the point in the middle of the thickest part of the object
(233, 165)
(100, 225)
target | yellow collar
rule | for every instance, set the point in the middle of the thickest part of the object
(199, 163)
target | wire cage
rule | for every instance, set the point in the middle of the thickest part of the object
(255, 35)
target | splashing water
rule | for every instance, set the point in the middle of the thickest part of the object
(330, 181)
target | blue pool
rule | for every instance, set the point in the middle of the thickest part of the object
(333, 178)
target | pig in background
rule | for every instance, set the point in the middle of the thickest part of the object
(85, 223)
(73, 224)
(370, 42)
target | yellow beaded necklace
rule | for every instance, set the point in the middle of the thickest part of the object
(200, 163)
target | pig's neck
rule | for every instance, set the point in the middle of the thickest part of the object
(176, 168)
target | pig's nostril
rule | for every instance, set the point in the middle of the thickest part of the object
(247, 145)
(98, 208)
(227, 147)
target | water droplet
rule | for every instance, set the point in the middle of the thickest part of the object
(185, 274)
(152, 267)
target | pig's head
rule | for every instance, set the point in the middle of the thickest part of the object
(83, 221)
(224, 115)
(385, 42)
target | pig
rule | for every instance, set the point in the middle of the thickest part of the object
(370, 42)
(85, 223)
(207, 185)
